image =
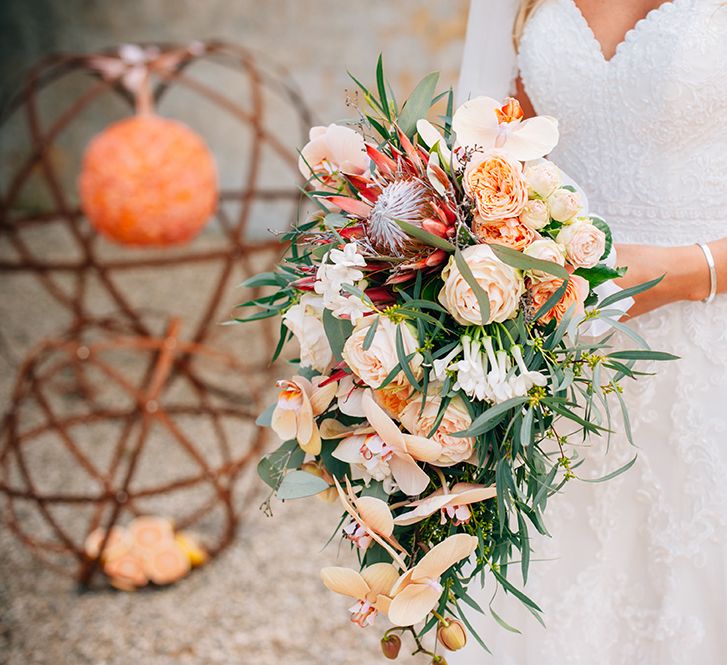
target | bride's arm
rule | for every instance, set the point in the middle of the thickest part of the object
(685, 270)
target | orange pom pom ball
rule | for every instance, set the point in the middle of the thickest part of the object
(148, 180)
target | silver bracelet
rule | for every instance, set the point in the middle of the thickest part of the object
(712, 272)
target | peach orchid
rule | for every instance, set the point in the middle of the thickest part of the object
(371, 588)
(299, 402)
(372, 521)
(452, 503)
(416, 593)
(394, 452)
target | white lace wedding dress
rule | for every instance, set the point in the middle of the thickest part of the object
(636, 570)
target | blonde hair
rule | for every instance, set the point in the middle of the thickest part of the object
(527, 7)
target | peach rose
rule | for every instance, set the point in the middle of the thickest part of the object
(576, 293)
(393, 398)
(510, 232)
(456, 419)
(497, 186)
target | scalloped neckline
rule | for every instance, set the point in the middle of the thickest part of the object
(629, 35)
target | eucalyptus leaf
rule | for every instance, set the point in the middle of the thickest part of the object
(337, 332)
(521, 261)
(418, 104)
(272, 467)
(482, 299)
(642, 354)
(630, 292)
(265, 419)
(298, 484)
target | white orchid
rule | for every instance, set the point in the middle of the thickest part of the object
(371, 521)
(489, 125)
(433, 139)
(332, 150)
(300, 401)
(349, 397)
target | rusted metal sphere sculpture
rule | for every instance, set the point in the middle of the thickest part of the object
(122, 413)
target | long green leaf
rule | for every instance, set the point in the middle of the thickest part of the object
(503, 623)
(424, 236)
(369, 338)
(521, 261)
(485, 421)
(613, 474)
(628, 293)
(381, 84)
(403, 359)
(640, 354)
(482, 299)
(515, 592)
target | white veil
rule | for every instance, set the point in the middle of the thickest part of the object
(489, 63)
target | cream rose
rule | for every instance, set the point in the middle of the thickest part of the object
(503, 285)
(584, 243)
(497, 186)
(545, 249)
(543, 177)
(456, 419)
(535, 214)
(510, 232)
(304, 321)
(374, 364)
(563, 204)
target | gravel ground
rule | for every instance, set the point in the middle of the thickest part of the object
(261, 602)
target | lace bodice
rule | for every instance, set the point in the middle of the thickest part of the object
(636, 569)
(644, 133)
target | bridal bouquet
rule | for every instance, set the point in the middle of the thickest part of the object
(441, 297)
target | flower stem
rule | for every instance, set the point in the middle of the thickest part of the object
(442, 479)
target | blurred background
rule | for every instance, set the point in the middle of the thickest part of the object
(261, 600)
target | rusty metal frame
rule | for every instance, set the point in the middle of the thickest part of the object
(170, 358)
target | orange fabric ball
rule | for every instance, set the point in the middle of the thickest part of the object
(148, 180)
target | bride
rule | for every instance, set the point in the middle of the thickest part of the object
(636, 570)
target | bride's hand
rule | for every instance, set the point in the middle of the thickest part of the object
(685, 270)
